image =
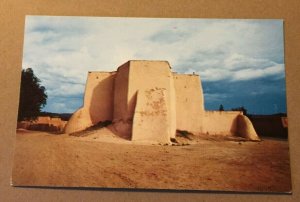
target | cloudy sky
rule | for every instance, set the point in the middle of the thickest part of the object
(240, 62)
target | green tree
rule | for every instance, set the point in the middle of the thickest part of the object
(32, 96)
(221, 108)
(242, 109)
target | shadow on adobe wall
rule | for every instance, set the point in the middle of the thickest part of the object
(234, 126)
(101, 102)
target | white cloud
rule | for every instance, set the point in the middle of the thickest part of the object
(246, 74)
(237, 61)
(65, 48)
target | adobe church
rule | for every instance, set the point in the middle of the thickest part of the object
(147, 102)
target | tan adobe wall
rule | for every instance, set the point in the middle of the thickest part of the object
(172, 108)
(122, 119)
(120, 111)
(98, 102)
(58, 123)
(245, 128)
(141, 76)
(189, 102)
(228, 123)
(44, 123)
(220, 122)
(124, 97)
(80, 120)
(147, 75)
(43, 119)
(151, 117)
(98, 97)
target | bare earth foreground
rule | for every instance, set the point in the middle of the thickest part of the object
(44, 159)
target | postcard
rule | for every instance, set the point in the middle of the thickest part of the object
(153, 103)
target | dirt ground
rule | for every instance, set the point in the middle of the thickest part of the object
(104, 160)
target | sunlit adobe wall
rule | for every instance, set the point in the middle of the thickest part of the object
(189, 102)
(98, 102)
(151, 83)
(220, 122)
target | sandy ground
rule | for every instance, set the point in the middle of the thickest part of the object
(44, 159)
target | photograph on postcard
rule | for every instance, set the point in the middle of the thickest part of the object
(153, 103)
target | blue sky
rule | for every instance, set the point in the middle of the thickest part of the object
(240, 62)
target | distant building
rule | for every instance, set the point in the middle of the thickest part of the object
(147, 102)
(275, 125)
(44, 123)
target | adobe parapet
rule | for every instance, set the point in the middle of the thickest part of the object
(146, 102)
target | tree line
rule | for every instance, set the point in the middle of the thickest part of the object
(242, 109)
